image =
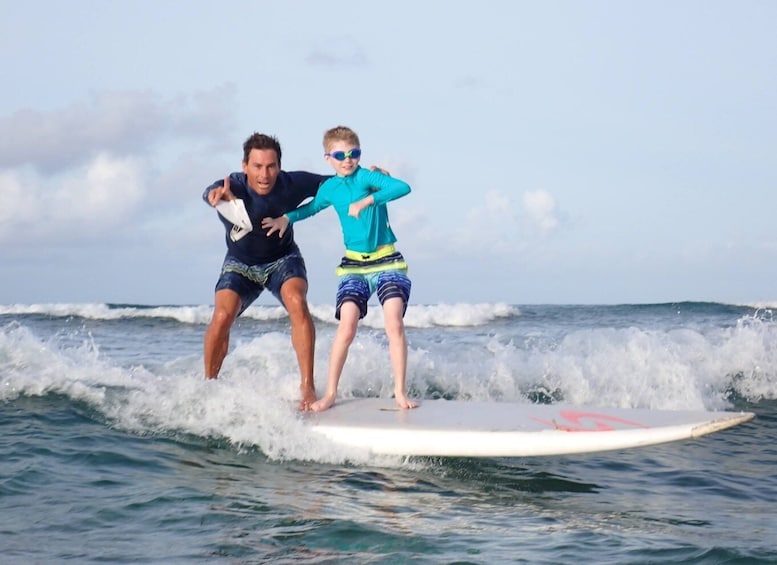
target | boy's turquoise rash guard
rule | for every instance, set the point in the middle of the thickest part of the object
(371, 229)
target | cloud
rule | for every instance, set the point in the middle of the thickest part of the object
(99, 196)
(341, 51)
(494, 223)
(540, 212)
(86, 172)
(128, 122)
(497, 212)
(499, 226)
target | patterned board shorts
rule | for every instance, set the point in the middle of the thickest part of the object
(248, 281)
(384, 273)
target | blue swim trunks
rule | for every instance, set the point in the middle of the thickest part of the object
(248, 281)
(375, 274)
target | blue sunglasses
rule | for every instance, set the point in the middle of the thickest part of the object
(343, 155)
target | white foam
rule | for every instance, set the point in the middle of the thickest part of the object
(99, 311)
(253, 404)
(419, 316)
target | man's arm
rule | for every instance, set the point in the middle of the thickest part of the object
(218, 191)
(221, 190)
(305, 185)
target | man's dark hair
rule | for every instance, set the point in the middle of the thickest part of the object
(261, 141)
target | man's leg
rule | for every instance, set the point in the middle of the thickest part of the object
(225, 310)
(303, 335)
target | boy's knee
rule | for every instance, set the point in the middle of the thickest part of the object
(395, 329)
(347, 333)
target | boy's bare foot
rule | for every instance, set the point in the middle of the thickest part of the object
(308, 398)
(404, 402)
(323, 404)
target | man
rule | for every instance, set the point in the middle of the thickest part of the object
(255, 262)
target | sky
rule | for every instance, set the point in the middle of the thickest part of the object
(559, 152)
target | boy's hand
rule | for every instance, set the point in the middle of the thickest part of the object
(355, 208)
(273, 225)
(220, 193)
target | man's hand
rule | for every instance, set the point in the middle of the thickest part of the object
(374, 168)
(278, 224)
(220, 193)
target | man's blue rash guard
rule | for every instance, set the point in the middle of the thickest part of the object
(371, 229)
(290, 189)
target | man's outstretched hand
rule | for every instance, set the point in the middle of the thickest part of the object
(272, 225)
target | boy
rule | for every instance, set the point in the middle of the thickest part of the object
(371, 263)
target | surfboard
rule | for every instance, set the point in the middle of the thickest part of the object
(457, 428)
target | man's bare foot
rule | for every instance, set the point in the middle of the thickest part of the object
(404, 402)
(308, 399)
(323, 404)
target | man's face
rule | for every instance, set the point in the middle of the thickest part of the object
(262, 169)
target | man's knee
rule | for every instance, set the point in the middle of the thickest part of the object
(294, 296)
(222, 317)
(221, 323)
(225, 310)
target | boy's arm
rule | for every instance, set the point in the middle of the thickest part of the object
(310, 209)
(384, 189)
(281, 223)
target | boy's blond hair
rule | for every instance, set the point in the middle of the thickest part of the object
(340, 133)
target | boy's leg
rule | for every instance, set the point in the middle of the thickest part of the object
(346, 331)
(393, 288)
(393, 310)
(353, 292)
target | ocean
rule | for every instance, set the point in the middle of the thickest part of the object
(114, 449)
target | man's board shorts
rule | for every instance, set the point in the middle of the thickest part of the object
(248, 281)
(363, 274)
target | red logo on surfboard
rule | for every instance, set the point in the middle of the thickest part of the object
(588, 422)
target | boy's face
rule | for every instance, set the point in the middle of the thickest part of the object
(262, 169)
(345, 149)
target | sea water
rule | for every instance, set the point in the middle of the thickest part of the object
(114, 449)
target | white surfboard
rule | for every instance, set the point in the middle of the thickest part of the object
(500, 429)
